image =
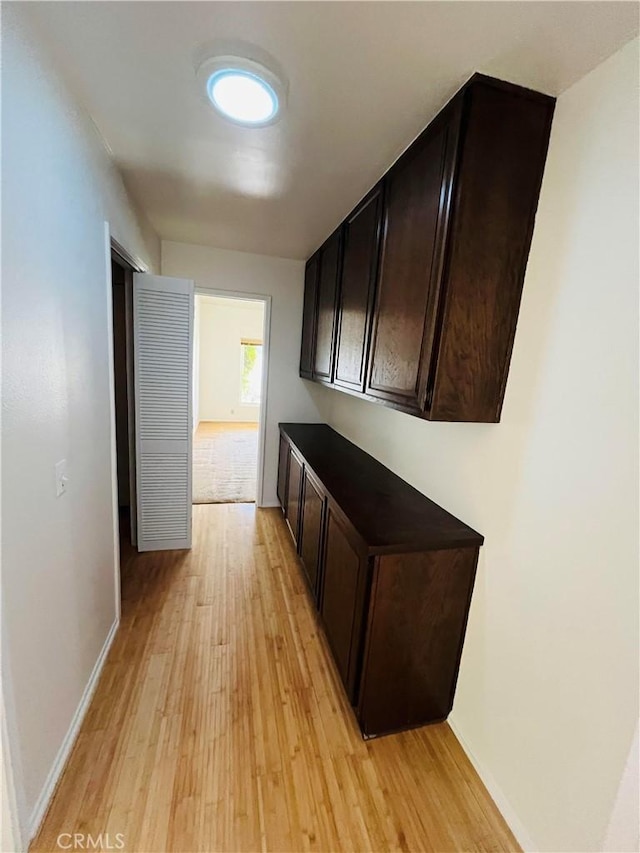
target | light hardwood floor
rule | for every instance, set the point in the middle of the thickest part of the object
(219, 723)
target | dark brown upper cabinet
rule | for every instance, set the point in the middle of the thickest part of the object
(325, 335)
(309, 316)
(501, 163)
(359, 266)
(447, 263)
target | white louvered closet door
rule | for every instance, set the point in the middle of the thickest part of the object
(163, 366)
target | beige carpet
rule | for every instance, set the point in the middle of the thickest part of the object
(225, 461)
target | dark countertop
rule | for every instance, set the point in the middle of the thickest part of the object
(389, 515)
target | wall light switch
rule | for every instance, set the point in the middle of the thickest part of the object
(62, 478)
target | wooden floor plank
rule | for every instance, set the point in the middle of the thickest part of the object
(219, 723)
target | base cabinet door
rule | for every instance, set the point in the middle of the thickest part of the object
(312, 513)
(342, 604)
(283, 473)
(294, 485)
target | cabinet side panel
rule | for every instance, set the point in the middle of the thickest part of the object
(504, 150)
(418, 617)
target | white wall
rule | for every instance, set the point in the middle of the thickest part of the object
(58, 598)
(224, 323)
(547, 700)
(289, 398)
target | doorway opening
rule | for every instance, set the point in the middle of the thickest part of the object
(122, 327)
(229, 386)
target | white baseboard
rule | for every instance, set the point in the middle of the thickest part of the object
(502, 803)
(268, 505)
(40, 808)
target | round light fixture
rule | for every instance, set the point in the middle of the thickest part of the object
(242, 90)
(242, 96)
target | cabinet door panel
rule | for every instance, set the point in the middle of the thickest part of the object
(294, 485)
(361, 241)
(342, 601)
(311, 532)
(283, 471)
(309, 317)
(416, 198)
(327, 301)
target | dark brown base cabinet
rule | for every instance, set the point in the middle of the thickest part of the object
(390, 574)
(413, 300)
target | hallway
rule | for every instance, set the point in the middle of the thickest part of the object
(219, 723)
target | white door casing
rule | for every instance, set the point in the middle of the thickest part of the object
(163, 366)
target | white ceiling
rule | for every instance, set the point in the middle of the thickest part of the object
(364, 78)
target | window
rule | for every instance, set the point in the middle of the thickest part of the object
(250, 372)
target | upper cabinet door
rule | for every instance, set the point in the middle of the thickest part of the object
(327, 301)
(359, 266)
(309, 316)
(417, 197)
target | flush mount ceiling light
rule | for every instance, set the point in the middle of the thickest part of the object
(242, 90)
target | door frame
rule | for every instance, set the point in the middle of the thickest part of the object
(132, 264)
(266, 332)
